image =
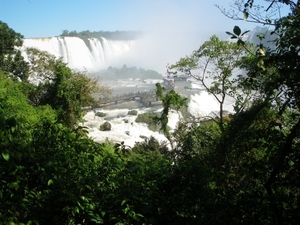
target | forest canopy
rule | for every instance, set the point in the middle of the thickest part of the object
(240, 168)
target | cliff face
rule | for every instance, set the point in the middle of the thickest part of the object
(91, 54)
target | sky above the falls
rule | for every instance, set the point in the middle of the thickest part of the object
(172, 28)
(45, 18)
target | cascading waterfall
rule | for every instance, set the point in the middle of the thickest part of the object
(92, 54)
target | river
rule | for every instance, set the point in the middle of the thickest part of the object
(123, 126)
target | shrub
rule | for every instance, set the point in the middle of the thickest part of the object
(144, 137)
(133, 112)
(150, 119)
(100, 114)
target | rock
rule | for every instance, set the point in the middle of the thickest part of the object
(105, 126)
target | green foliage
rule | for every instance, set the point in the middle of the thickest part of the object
(245, 172)
(11, 60)
(9, 39)
(139, 192)
(273, 72)
(56, 85)
(148, 118)
(195, 140)
(100, 114)
(133, 112)
(171, 100)
(150, 144)
(51, 174)
(214, 64)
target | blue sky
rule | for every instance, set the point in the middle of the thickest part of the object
(173, 28)
(45, 18)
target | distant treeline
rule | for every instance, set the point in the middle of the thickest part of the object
(111, 35)
(128, 72)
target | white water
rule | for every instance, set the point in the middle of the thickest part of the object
(201, 104)
(120, 127)
(100, 55)
(94, 55)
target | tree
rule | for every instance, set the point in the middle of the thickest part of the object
(9, 40)
(269, 64)
(281, 94)
(169, 101)
(17, 119)
(11, 60)
(265, 13)
(65, 90)
(214, 64)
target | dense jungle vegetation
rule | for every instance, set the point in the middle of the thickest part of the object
(241, 168)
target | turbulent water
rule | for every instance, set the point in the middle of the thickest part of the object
(124, 127)
(95, 54)
(92, 54)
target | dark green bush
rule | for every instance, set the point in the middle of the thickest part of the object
(149, 118)
(144, 137)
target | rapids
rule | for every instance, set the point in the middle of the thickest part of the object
(124, 127)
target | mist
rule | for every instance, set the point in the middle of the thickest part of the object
(156, 50)
(172, 30)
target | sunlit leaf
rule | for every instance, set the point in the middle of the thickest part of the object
(5, 156)
(13, 129)
(13, 184)
(261, 64)
(262, 51)
(50, 182)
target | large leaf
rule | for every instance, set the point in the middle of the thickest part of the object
(50, 182)
(237, 30)
(229, 33)
(5, 156)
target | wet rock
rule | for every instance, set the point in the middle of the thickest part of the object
(105, 126)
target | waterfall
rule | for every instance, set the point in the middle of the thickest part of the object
(92, 54)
